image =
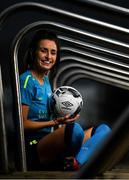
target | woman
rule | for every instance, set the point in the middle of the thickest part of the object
(44, 144)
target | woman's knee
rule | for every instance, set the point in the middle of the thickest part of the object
(102, 128)
(78, 133)
(74, 132)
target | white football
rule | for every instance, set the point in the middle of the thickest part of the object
(67, 100)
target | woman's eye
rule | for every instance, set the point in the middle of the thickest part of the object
(53, 53)
(43, 50)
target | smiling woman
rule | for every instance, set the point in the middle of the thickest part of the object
(44, 145)
(46, 55)
(47, 143)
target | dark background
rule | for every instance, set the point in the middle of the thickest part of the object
(103, 101)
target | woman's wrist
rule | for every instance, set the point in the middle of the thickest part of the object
(55, 122)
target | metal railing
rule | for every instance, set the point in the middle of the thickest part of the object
(120, 70)
(3, 137)
(84, 63)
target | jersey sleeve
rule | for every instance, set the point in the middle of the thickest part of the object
(26, 93)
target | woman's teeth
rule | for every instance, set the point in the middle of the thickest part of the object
(47, 62)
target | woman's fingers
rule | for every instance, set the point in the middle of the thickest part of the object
(73, 118)
(67, 119)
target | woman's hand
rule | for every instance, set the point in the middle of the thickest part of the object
(66, 119)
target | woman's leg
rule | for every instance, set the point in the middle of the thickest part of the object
(65, 140)
(71, 163)
(74, 136)
(50, 146)
(99, 134)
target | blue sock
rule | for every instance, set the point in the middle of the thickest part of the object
(74, 135)
(92, 144)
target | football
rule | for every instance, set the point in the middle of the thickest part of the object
(67, 100)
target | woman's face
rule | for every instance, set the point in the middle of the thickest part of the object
(46, 54)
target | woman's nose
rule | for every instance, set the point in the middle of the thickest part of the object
(48, 54)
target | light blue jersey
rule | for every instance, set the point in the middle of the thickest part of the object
(37, 97)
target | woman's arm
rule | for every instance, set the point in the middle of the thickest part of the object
(30, 125)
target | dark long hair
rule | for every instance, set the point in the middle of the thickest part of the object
(39, 35)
